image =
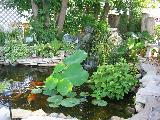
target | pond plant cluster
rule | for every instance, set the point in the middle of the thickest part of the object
(85, 36)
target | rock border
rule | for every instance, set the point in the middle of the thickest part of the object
(36, 61)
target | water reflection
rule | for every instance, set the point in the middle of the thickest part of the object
(21, 78)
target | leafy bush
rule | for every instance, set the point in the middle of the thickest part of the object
(2, 38)
(132, 46)
(112, 81)
(14, 49)
(60, 83)
(49, 49)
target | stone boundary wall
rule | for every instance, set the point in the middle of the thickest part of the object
(36, 61)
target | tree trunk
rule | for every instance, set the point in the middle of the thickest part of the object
(105, 11)
(34, 9)
(47, 18)
(97, 8)
(62, 16)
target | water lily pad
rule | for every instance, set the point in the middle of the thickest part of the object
(70, 102)
(77, 57)
(55, 99)
(64, 87)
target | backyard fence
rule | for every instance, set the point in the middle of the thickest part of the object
(9, 17)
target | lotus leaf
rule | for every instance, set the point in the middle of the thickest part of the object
(75, 74)
(51, 83)
(70, 102)
(64, 87)
(77, 57)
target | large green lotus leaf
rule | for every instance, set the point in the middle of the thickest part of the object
(77, 57)
(55, 99)
(70, 102)
(64, 87)
(75, 74)
(60, 67)
(51, 83)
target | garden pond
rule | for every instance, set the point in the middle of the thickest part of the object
(86, 111)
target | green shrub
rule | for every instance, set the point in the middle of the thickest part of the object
(15, 49)
(112, 81)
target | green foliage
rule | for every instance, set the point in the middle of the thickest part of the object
(49, 49)
(4, 86)
(14, 47)
(2, 38)
(157, 29)
(131, 47)
(65, 76)
(99, 102)
(70, 102)
(112, 81)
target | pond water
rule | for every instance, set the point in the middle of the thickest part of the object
(85, 111)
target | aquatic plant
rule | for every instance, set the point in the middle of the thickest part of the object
(66, 75)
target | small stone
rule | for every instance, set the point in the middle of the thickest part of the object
(69, 117)
(139, 107)
(53, 115)
(131, 110)
(20, 113)
(39, 112)
(116, 118)
(61, 115)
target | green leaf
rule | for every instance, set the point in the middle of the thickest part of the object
(53, 105)
(75, 74)
(64, 87)
(83, 94)
(99, 102)
(36, 91)
(60, 67)
(71, 94)
(77, 57)
(55, 99)
(131, 43)
(49, 92)
(70, 102)
(51, 83)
